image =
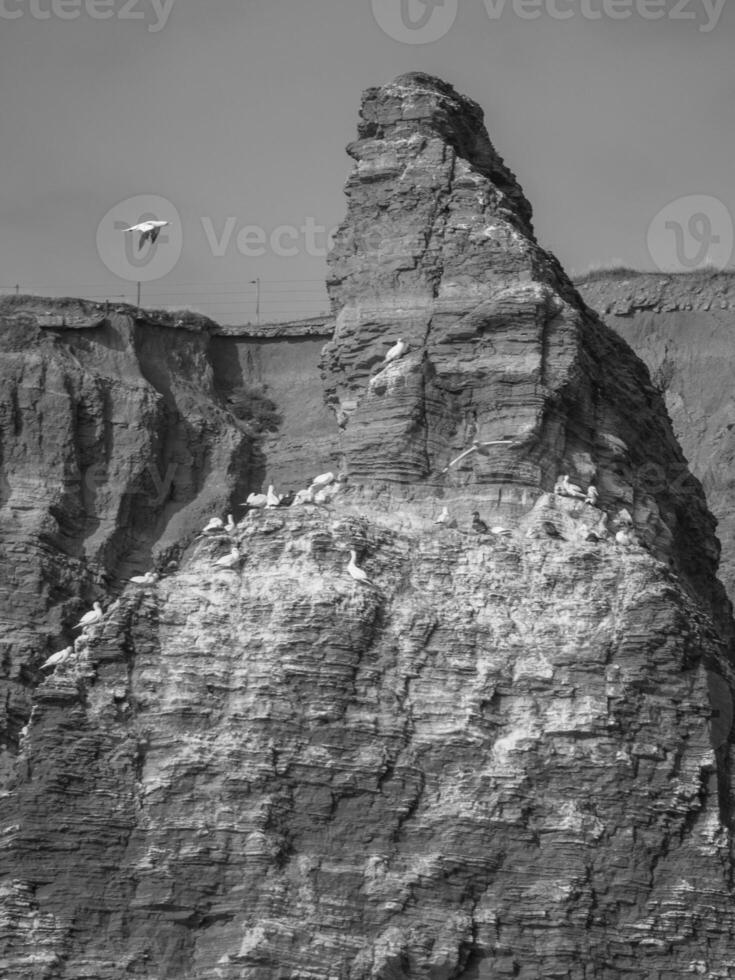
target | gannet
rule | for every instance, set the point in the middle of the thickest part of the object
(148, 230)
(592, 495)
(58, 658)
(90, 618)
(357, 573)
(150, 578)
(397, 350)
(229, 561)
(443, 517)
(322, 480)
(474, 448)
(325, 494)
(230, 526)
(571, 489)
(256, 501)
(271, 498)
(214, 524)
(478, 524)
(304, 497)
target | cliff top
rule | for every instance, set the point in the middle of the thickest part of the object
(622, 291)
(73, 313)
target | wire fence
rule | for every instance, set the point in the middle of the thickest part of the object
(228, 302)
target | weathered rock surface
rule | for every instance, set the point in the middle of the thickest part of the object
(682, 327)
(508, 756)
(117, 442)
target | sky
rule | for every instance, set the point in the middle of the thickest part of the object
(230, 119)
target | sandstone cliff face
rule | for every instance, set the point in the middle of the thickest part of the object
(682, 327)
(508, 756)
(117, 442)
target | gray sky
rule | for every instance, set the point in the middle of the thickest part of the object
(240, 110)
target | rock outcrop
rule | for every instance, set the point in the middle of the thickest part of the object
(437, 249)
(118, 440)
(682, 327)
(508, 755)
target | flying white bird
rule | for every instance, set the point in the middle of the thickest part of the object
(148, 230)
(229, 561)
(58, 658)
(90, 618)
(358, 574)
(397, 350)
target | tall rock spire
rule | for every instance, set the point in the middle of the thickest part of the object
(437, 249)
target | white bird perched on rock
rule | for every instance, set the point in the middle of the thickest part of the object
(358, 574)
(271, 498)
(570, 489)
(623, 537)
(397, 350)
(443, 517)
(58, 658)
(323, 480)
(90, 618)
(303, 497)
(592, 495)
(230, 526)
(256, 501)
(325, 494)
(229, 561)
(148, 230)
(214, 524)
(150, 578)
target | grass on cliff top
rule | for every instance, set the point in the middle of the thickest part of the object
(169, 316)
(705, 274)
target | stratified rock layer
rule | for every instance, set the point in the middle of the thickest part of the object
(682, 327)
(497, 763)
(507, 755)
(437, 249)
